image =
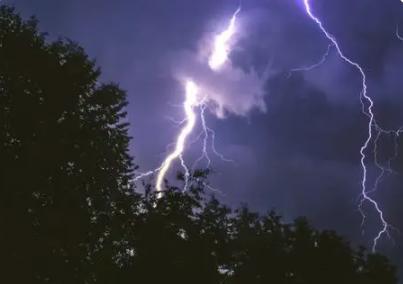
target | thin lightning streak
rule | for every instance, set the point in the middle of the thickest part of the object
(146, 174)
(197, 138)
(382, 169)
(213, 189)
(396, 143)
(187, 173)
(396, 136)
(208, 133)
(177, 122)
(399, 37)
(313, 66)
(213, 148)
(369, 112)
(204, 154)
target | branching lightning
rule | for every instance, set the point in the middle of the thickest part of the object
(188, 105)
(374, 133)
(219, 56)
(205, 134)
(195, 99)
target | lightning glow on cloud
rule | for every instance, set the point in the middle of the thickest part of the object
(193, 98)
(222, 47)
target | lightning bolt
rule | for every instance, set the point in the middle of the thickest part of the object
(373, 130)
(217, 59)
(189, 105)
(221, 44)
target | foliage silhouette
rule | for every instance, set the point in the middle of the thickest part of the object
(64, 164)
(69, 213)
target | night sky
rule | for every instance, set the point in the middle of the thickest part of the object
(294, 137)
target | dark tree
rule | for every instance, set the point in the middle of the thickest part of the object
(64, 165)
(191, 238)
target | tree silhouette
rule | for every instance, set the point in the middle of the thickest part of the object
(68, 213)
(64, 166)
(192, 238)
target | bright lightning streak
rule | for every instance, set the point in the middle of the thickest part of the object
(365, 99)
(188, 105)
(222, 44)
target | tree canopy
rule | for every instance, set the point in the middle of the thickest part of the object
(65, 168)
(69, 212)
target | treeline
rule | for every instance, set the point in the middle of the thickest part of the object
(69, 212)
